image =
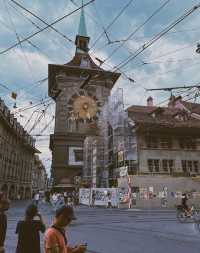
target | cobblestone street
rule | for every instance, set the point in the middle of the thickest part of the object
(111, 231)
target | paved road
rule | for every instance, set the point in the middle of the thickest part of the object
(116, 231)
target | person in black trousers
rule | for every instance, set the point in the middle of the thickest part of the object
(4, 206)
(28, 231)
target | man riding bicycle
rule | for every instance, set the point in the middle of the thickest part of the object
(184, 204)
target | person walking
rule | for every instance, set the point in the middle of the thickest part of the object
(93, 199)
(109, 200)
(4, 206)
(55, 238)
(37, 198)
(28, 231)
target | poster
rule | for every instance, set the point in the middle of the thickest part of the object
(84, 196)
(101, 198)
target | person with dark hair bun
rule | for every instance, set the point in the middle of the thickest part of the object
(28, 231)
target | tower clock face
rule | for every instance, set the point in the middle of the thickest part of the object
(83, 106)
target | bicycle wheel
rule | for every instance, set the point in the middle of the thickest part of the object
(197, 225)
(181, 216)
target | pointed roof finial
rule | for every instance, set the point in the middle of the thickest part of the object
(82, 31)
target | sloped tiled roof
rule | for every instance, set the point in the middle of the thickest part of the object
(76, 61)
(164, 116)
(193, 107)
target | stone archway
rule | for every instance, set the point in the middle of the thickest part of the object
(27, 193)
(4, 189)
(11, 194)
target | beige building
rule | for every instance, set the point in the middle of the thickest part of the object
(39, 176)
(167, 152)
(17, 150)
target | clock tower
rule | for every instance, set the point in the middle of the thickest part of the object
(79, 89)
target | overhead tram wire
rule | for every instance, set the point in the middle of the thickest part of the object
(45, 28)
(150, 36)
(18, 39)
(175, 88)
(33, 106)
(44, 22)
(32, 114)
(170, 52)
(109, 41)
(169, 71)
(187, 91)
(102, 24)
(57, 30)
(137, 29)
(37, 120)
(156, 38)
(35, 25)
(112, 22)
(90, 16)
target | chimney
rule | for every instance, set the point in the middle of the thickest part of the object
(173, 101)
(149, 101)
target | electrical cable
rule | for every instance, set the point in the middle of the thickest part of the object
(37, 121)
(18, 39)
(36, 16)
(169, 71)
(33, 106)
(138, 28)
(44, 28)
(156, 37)
(48, 124)
(112, 22)
(34, 24)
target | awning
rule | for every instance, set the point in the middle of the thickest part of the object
(197, 178)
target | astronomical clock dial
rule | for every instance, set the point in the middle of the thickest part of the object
(83, 106)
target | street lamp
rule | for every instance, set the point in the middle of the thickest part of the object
(198, 48)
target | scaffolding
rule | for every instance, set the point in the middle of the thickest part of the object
(115, 145)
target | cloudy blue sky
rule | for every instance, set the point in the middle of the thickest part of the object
(170, 61)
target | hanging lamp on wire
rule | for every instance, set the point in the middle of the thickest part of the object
(198, 48)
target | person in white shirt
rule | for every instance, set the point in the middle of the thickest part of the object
(37, 198)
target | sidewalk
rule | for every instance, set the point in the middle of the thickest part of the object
(151, 210)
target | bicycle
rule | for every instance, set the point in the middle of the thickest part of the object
(182, 215)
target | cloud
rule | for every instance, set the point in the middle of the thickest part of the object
(166, 61)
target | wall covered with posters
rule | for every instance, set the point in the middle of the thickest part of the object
(160, 191)
(100, 196)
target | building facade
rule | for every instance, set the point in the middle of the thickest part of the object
(39, 176)
(167, 138)
(167, 152)
(17, 150)
(79, 88)
(153, 150)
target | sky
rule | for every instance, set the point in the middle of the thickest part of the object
(170, 61)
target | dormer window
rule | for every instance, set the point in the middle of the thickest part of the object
(157, 112)
(182, 116)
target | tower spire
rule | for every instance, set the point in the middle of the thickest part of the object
(82, 39)
(82, 30)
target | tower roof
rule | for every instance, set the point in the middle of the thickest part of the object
(82, 30)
